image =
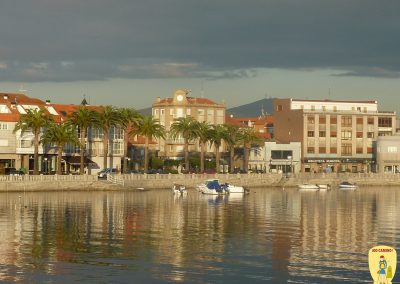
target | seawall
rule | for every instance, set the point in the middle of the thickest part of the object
(157, 181)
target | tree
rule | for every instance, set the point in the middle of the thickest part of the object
(184, 127)
(203, 133)
(218, 134)
(129, 119)
(232, 140)
(107, 118)
(248, 137)
(59, 135)
(83, 118)
(32, 121)
(149, 128)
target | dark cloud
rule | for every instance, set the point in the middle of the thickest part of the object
(56, 40)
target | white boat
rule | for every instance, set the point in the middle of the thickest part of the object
(179, 189)
(347, 185)
(324, 187)
(212, 187)
(230, 188)
(308, 187)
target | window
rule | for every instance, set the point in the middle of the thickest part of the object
(346, 121)
(333, 134)
(322, 134)
(279, 107)
(162, 111)
(117, 148)
(370, 135)
(281, 154)
(200, 112)
(322, 150)
(370, 120)
(359, 150)
(358, 108)
(188, 111)
(97, 133)
(3, 126)
(346, 134)
(369, 150)
(359, 134)
(333, 150)
(384, 122)
(334, 120)
(313, 108)
(392, 149)
(310, 134)
(311, 119)
(156, 111)
(116, 133)
(359, 120)
(310, 150)
(346, 149)
(323, 108)
(322, 120)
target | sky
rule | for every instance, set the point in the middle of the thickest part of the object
(129, 52)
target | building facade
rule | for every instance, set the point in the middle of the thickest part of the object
(336, 136)
(388, 154)
(182, 105)
(282, 158)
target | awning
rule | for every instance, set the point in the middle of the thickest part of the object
(76, 161)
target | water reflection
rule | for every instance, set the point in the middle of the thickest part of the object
(269, 235)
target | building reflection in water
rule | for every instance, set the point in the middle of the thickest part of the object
(270, 234)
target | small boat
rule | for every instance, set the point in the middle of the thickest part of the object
(324, 187)
(308, 187)
(347, 185)
(212, 187)
(230, 188)
(179, 189)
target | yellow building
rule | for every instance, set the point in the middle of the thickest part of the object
(166, 110)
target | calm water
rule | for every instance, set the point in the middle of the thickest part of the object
(270, 235)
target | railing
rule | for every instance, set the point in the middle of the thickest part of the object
(50, 178)
(115, 179)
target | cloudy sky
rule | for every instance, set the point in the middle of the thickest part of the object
(128, 52)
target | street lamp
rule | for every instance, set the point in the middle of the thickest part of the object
(45, 165)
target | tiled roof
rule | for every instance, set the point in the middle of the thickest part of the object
(191, 100)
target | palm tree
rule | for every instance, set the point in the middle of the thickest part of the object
(83, 118)
(184, 127)
(218, 134)
(60, 135)
(33, 120)
(232, 140)
(248, 137)
(203, 133)
(149, 128)
(129, 119)
(107, 118)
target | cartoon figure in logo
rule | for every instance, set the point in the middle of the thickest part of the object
(382, 270)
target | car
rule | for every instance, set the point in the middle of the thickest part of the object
(103, 173)
(16, 173)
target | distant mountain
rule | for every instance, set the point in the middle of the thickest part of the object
(248, 110)
(252, 109)
(145, 111)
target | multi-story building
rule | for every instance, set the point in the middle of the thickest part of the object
(16, 148)
(388, 154)
(335, 135)
(182, 105)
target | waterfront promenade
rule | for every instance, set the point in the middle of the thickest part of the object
(160, 181)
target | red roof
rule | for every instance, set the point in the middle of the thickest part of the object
(191, 100)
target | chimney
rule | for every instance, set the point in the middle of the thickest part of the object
(5, 97)
(158, 99)
(47, 102)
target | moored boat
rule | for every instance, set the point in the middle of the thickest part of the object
(308, 187)
(324, 187)
(179, 189)
(347, 185)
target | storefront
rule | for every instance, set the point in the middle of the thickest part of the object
(353, 165)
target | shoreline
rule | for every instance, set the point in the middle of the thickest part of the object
(133, 182)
